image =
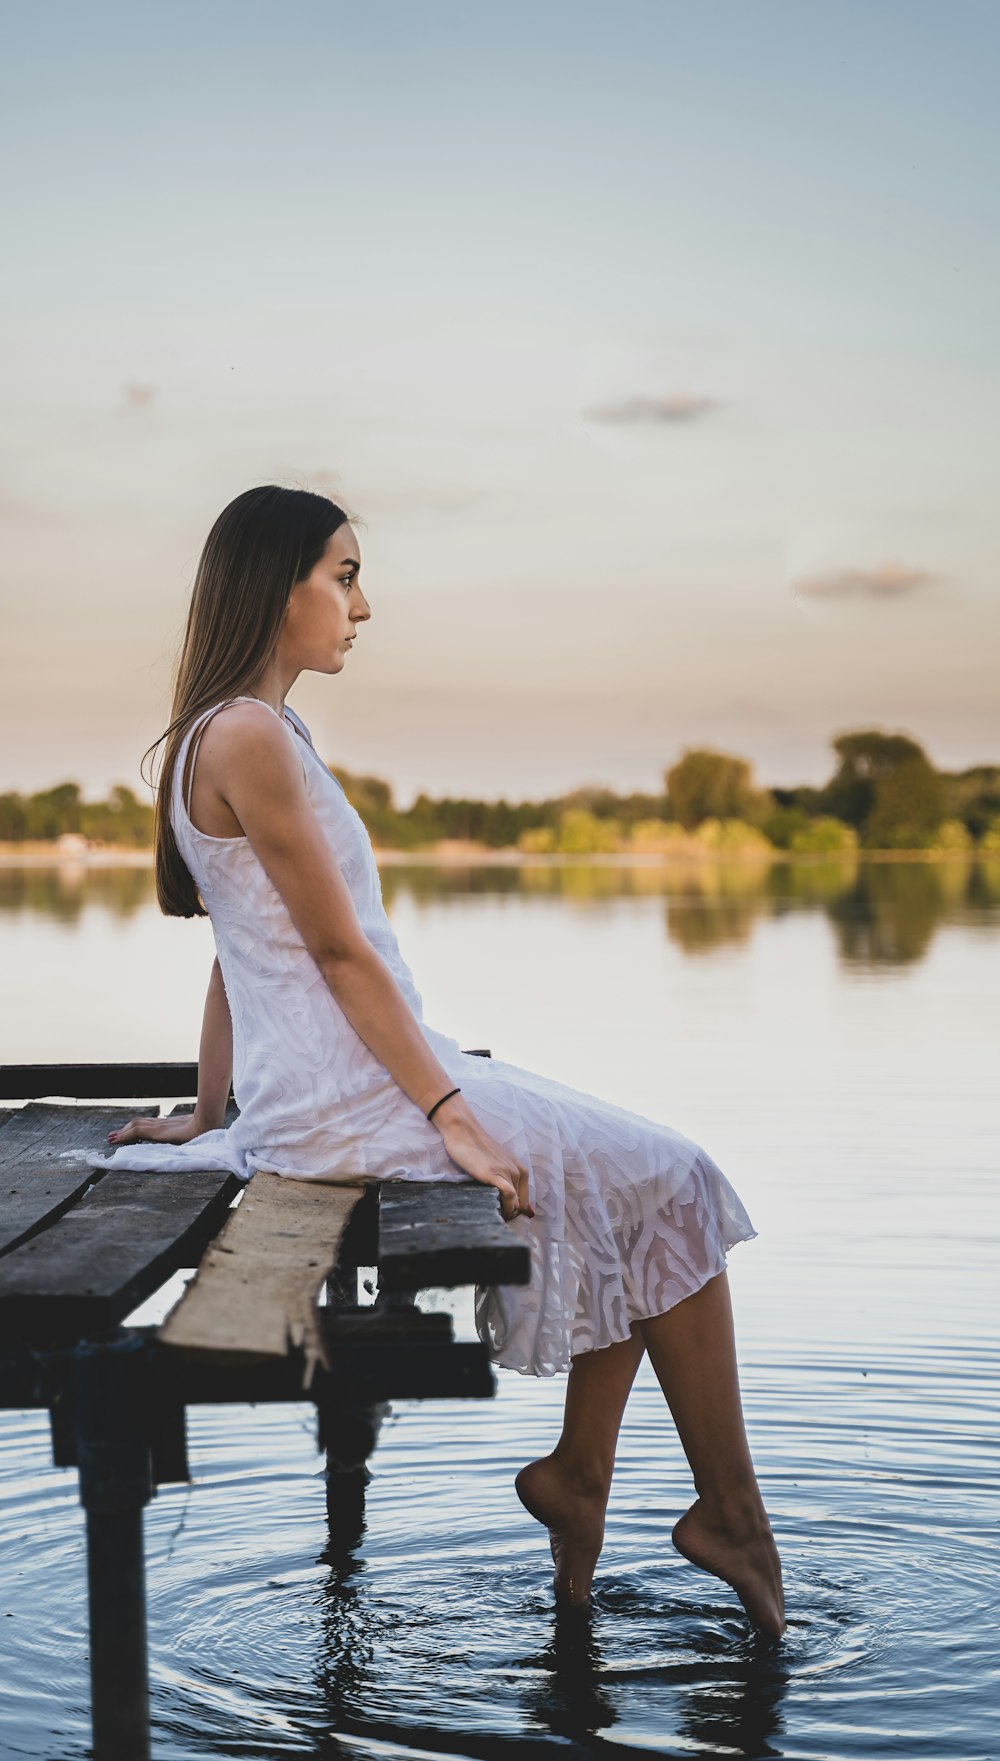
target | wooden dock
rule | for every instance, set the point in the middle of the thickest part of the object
(81, 1248)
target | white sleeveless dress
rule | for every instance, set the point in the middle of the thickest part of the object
(630, 1216)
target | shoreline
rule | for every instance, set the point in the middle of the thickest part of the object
(449, 854)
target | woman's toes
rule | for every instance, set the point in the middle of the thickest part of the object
(748, 1562)
(574, 1517)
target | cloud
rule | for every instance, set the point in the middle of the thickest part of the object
(680, 406)
(893, 580)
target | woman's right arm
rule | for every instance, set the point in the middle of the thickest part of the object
(215, 1073)
(252, 764)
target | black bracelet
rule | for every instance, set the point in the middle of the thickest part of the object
(440, 1103)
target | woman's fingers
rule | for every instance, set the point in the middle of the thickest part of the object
(489, 1162)
(514, 1196)
(508, 1200)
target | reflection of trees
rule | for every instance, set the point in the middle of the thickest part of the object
(427, 884)
(884, 913)
(889, 915)
(715, 905)
(812, 883)
(984, 883)
(62, 890)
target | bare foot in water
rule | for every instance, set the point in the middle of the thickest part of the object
(574, 1517)
(744, 1557)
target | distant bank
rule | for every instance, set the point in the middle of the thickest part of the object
(885, 797)
(456, 853)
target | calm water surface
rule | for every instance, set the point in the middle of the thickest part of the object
(830, 1035)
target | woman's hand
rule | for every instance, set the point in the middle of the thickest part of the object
(481, 1156)
(177, 1128)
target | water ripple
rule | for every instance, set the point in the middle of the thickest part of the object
(439, 1637)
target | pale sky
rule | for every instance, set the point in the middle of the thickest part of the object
(655, 344)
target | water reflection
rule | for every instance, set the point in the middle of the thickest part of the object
(733, 1706)
(566, 1696)
(346, 1660)
(891, 920)
(717, 1686)
(882, 913)
(64, 890)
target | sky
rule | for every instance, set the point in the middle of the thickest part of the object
(654, 346)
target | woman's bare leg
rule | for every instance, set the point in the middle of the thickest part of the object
(568, 1490)
(726, 1531)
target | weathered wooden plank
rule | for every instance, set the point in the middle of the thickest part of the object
(443, 1235)
(111, 1250)
(43, 1168)
(255, 1294)
(43, 1138)
(23, 1082)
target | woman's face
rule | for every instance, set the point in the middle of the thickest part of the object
(326, 607)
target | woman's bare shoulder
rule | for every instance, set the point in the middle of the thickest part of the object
(246, 738)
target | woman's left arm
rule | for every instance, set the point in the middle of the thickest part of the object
(215, 1073)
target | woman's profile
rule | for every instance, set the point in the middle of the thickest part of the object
(313, 1015)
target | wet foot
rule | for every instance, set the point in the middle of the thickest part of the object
(574, 1517)
(743, 1556)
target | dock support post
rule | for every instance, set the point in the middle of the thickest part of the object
(115, 1484)
(348, 1433)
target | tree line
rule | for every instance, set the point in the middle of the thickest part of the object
(52, 813)
(884, 794)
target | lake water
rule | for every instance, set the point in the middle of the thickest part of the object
(829, 1033)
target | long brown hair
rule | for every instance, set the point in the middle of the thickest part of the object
(260, 545)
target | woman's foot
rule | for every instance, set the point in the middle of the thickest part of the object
(573, 1513)
(743, 1554)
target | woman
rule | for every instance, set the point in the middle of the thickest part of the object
(313, 1014)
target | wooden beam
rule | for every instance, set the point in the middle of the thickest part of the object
(26, 1082)
(445, 1234)
(426, 1364)
(111, 1250)
(256, 1291)
(43, 1167)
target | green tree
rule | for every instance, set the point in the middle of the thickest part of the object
(908, 808)
(583, 834)
(126, 819)
(866, 759)
(713, 785)
(13, 818)
(51, 812)
(973, 796)
(785, 824)
(824, 836)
